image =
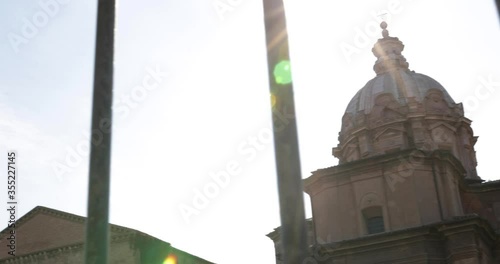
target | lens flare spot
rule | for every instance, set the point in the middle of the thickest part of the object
(171, 259)
(273, 100)
(282, 72)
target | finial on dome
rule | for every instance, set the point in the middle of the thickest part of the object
(388, 52)
(385, 32)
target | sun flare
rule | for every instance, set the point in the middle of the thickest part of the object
(171, 259)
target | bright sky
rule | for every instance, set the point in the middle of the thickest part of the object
(206, 109)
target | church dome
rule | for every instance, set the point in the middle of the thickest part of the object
(402, 84)
(400, 109)
(394, 79)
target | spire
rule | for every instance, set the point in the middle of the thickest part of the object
(388, 52)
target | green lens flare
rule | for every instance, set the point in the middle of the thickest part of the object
(282, 72)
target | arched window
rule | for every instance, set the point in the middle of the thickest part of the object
(374, 220)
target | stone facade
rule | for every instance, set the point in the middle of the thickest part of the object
(406, 188)
(48, 236)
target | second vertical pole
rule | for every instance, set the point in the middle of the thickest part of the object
(97, 233)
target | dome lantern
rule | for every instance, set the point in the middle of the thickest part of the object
(388, 52)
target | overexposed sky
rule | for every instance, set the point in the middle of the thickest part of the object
(206, 109)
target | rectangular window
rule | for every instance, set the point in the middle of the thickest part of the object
(375, 225)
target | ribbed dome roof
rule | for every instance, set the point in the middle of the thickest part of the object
(402, 84)
(400, 110)
(394, 78)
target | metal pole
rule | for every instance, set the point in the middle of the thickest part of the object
(293, 228)
(497, 2)
(97, 234)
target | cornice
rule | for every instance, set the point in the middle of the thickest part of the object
(390, 239)
(323, 176)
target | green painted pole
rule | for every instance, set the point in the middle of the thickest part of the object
(97, 233)
(293, 227)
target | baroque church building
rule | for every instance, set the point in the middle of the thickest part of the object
(406, 188)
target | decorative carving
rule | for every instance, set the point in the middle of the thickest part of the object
(351, 152)
(443, 134)
(385, 109)
(434, 103)
(468, 153)
(369, 199)
(364, 144)
(388, 139)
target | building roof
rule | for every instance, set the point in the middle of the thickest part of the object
(47, 231)
(115, 229)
